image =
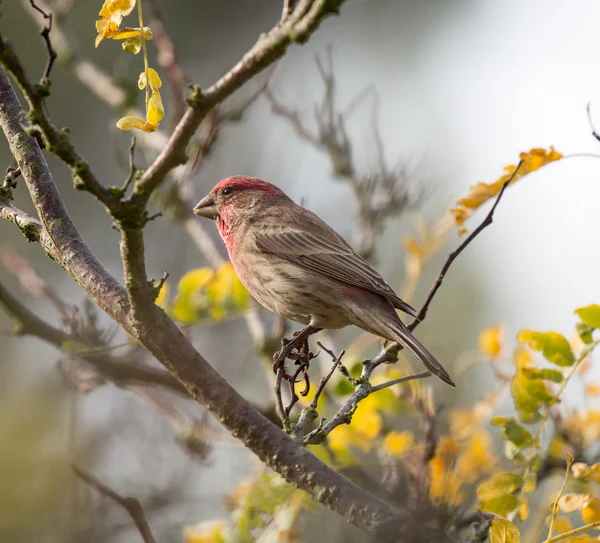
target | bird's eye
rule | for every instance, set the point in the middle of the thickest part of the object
(227, 191)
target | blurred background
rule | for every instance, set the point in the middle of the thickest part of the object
(462, 88)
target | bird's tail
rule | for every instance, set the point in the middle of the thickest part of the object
(405, 338)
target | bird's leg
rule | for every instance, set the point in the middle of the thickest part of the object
(298, 341)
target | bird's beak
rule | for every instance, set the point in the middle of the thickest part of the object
(206, 208)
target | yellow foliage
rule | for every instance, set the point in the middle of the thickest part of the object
(504, 531)
(590, 315)
(366, 422)
(445, 485)
(591, 511)
(522, 357)
(554, 346)
(585, 426)
(561, 524)
(589, 473)
(593, 390)
(490, 341)
(398, 443)
(205, 293)
(111, 15)
(478, 458)
(210, 531)
(482, 192)
(572, 502)
(155, 110)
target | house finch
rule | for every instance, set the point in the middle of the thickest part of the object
(298, 267)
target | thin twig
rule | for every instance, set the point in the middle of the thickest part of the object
(556, 508)
(589, 116)
(45, 33)
(454, 254)
(131, 505)
(412, 377)
(337, 360)
(132, 167)
(12, 174)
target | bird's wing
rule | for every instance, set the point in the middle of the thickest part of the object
(314, 245)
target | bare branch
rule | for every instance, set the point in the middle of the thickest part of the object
(379, 195)
(119, 370)
(55, 140)
(298, 27)
(131, 505)
(454, 254)
(45, 33)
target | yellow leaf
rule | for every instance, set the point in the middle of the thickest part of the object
(504, 531)
(522, 357)
(591, 512)
(478, 458)
(589, 473)
(482, 192)
(553, 346)
(128, 122)
(209, 531)
(573, 502)
(367, 422)
(184, 305)
(111, 15)
(593, 390)
(523, 511)
(154, 111)
(590, 315)
(398, 443)
(153, 77)
(499, 485)
(561, 524)
(445, 485)
(490, 341)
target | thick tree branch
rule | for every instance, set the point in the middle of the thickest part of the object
(159, 335)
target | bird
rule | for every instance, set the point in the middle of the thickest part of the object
(298, 267)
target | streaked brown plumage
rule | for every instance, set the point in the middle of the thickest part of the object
(298, 267)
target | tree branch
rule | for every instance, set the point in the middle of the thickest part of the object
(55, 140)
(304, 19)
(160, 336)
(118, 370)
(131, 505)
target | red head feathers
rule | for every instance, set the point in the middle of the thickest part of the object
(241, 182)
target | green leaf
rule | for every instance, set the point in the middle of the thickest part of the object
(504, 531)
(546, 374)
(514, 454)
(343, 387)
(499, 485)
(529, 485)
(514, 432)
(554, 346)
(585, 332)
(590, 315)
(503, 505)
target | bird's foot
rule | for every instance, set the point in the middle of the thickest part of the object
(297, 348)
